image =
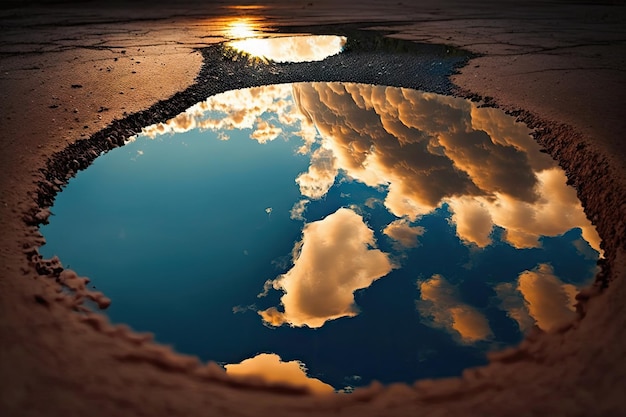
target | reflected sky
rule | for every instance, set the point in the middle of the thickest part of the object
(290, 48)
(354, 232)
(249, 37)
(241, 27)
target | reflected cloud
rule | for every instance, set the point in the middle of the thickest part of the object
(265, 131)
(298, 209)
(272, 369)
(422, 150)
(363, 127)
(425, 149)
(403, 233)
(440, 307)
(368, 165)
(513, 303)
(305, 48)
(429, 150)
(472, 219)
(138, 154)
(540, 298)
(555, 211)
(335, 258)
(239, 109)
(321, 175)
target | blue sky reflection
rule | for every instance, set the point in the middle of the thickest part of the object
(363, 232)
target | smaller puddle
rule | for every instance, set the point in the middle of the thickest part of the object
(330, 234)
(290, 48)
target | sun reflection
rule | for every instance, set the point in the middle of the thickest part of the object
(242, 28)
(246, 7)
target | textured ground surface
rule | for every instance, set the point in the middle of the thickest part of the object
(66, 72)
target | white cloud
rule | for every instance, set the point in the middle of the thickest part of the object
(336, 258)
(270, 368)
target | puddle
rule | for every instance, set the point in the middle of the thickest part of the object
(250, 39)
(330, 234)
(290, 48)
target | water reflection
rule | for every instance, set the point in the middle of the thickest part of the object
(271, 368)
(539, 298)
(334, 259)
(371, 232)
(425, 150)
(242, 28)
(290, 48)
(429, 149)
(440, 306)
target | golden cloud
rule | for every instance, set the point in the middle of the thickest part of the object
(439, 304)
(556, 211)
(272, 369)
(426, 149)
(430, 149)
(548, 299)
(239, 109)
(539, 298)
(336, 258)
(352, 120)
(403, 233)
(472, 219)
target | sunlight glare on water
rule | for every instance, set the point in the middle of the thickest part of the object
(242, 28)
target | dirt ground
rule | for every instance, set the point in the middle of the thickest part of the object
(68, 70)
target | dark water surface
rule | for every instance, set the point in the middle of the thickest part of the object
(337, 231)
